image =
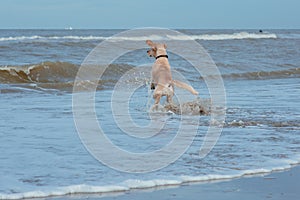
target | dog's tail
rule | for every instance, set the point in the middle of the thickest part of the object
(185, 86)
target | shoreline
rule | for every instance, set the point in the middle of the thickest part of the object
(275, 185)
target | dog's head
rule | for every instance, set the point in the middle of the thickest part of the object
(156, 49)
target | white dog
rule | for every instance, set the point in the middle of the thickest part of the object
(162, 81)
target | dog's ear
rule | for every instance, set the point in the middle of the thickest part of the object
(165, 46)
(150, 43)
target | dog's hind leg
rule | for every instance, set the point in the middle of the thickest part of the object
(170, 94)
(169, 99)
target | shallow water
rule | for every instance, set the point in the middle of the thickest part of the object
(42, 154)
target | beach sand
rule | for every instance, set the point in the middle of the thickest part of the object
(277, 185)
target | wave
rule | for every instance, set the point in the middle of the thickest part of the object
(46, 72)
(289, 36)
(61, 76)
(37, 37)
(288, 73)
(52, 72)
(53, 75)
(64, 72)
(233, 36)
(133, 184)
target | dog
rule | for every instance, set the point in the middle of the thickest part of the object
(162, 82)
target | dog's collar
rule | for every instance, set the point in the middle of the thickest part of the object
(160, 56)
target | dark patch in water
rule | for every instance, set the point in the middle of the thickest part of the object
(196, 107)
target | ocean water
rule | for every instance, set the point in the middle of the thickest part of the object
(42, 154)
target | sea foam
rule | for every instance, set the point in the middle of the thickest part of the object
(231, 36)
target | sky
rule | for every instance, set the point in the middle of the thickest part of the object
(126, 14)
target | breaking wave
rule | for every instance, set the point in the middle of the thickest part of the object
(46, 72)
(37, 37)
(133, 184)
(54, 75)
(232, 36)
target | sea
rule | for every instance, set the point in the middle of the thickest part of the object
(43, 148)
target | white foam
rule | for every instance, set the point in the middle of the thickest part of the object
(234, 36)
(36, 37)
(240, 35)
(141, 184)
(73, 189)
(211, 177)
(18, 68)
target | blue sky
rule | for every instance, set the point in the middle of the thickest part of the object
(212, 14)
